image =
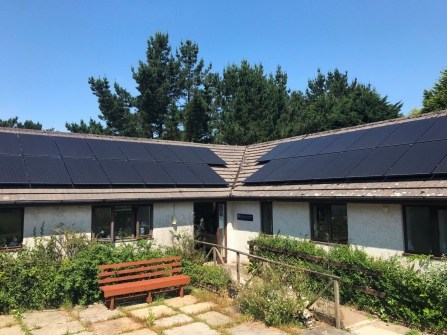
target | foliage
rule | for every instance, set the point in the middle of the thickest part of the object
(435, 99)
(14, 123)
(418, 298)
(414, 111)
(94, 127)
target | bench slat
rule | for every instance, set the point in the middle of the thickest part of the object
(140, 276)
(120, 265)
(141, 269)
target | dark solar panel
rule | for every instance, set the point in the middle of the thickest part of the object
(408, 132)
(161, 152)
(186, 154)
(38, 145)
(318, 145)
(421, 159)
(46, 171)
(344, 164)
(275, 151)
(208, 156)
(313, 167)
(437, 132)
(287, 169)
(12, 170)
(373, 137)
(344, 141)
(295, 148)
(9, 144)
(152, 173)
(265, 171)
(180, 173)
(85, 171)
(134, 151)
(441, 168)
(73, 147)
(105, 149)
(379, 161)
(120, 172)
(206, 174)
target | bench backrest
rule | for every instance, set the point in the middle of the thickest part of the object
(141, 270)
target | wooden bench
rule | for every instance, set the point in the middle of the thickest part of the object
(141, 279)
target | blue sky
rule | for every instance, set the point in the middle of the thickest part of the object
(50, 48)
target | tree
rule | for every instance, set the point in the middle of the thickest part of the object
(435, 99)
(93, 127)
(14, 123)
(196, 119)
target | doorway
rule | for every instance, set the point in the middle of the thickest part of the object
(266, 218)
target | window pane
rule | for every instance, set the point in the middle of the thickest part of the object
(339, 223)
(266, 218)
(10, 227)
(102, 219)
(144, 218)
(123, 221)
(442, 222)
(418, 229)
(319, 222)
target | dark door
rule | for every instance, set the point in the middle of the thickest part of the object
(266, 218)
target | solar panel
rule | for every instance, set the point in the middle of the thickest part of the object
(379, 161)
(287, 169)
(275, 151)
(12, 170)
(441, 168)
(265, 171)
(105, 149)
(344, 163)
(38, 145)
(85, 171)
(73, 147)
(206, 174)
(408, 132)
(208, 156)
(373, 137)
(421, 159)
(318, 145)
(437, 131)
(186, 154)
(296, 148)
(161, 152)
(134, 151)
(46, 171)
(9, 144)
(120, 172)
(180, 173)
(152, 173)
(313, 167)
(344, 141)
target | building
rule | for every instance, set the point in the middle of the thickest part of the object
(379, 186)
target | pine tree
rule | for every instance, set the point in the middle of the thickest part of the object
(435, 99)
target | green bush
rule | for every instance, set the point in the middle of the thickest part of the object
(417, 298)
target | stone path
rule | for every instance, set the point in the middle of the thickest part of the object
(176, 316)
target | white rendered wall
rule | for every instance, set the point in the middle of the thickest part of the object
(377, 228)
(163, 227)
(291, 218)
(239, 232)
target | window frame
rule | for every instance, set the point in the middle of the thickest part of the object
(134, 224)
(327, 222)
(22, 228)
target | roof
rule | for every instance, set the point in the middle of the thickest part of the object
(241, 163)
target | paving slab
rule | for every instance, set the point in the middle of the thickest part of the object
(158, 311)
(141, 332)
(7, 320)
(215, 318)
(196, 328)
(254, 329)
(14, 330)
(350, 317)
(115, 327)
(172, 320)
(84, 333)
(398, 329)
(45, 318)
(180, 302)
(371, 330)
(95, 313)
(135, 306)
(59, 329)
(197, 308)
(324, 330)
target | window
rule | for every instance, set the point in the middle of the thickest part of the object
(122, 222)
(425, 230)
(11, 227)
(266, 218)
(329, 223)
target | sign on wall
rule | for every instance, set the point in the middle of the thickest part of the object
(245, 217)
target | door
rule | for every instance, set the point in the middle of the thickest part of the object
(266, 218)
(221, 229)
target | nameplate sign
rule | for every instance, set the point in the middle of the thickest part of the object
(245, 217)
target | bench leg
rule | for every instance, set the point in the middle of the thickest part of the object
(149, 297)
(181, 292)
(112, 304)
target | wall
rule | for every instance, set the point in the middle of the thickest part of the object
(291, 218)
(163, 227)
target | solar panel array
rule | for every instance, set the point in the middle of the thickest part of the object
(41, 160)
(406, 150)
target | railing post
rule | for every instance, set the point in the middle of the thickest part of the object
(238, 267)
(214, 256)
(337, 304)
